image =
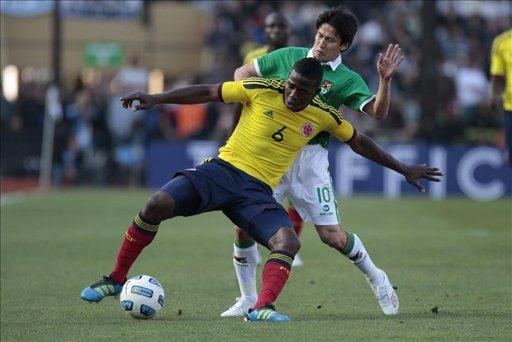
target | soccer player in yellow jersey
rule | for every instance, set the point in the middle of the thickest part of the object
(277, 32)
(278, 119)
(501, 82)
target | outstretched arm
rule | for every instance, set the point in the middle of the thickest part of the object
(386, 67)
(366, 147)
(247, 70)
(187, 95)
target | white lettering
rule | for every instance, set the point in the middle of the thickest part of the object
(466, 169)
(437, 190)
(349, 167)
(199, 150)
(392, 179)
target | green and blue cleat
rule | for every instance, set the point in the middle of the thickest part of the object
(103, 288)
(267, 313)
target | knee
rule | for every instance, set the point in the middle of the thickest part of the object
(159, 207)
(242, 236)
(334, 240)
(285, 240)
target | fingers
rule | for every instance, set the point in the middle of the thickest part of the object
(433, 171)
(381, 57)
(418, 186)
(389, 50)
(127, 104)
(131, 97)
(432, 179)
(396, 52)
(399, 58)
(127, 101)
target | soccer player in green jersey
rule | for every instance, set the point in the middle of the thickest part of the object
(308, 184)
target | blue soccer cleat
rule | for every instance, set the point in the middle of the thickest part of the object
(267, 313)
(105, 287)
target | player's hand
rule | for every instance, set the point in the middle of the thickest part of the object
(145, 101)
(414, 173)
(389, 62)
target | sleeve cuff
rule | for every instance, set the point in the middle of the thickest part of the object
(352, 137)
(368, 100)
(219, 92)
(257, 67)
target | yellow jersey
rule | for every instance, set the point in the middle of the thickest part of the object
(256, 53)
(501, 64)
(269, 135)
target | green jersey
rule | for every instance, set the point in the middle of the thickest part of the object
(340, 84)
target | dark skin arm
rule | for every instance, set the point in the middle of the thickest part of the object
(366, 147)
(497, 88)
(199, 93)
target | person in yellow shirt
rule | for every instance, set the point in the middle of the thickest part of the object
(501, 82)
(277, 33)
(278, 119)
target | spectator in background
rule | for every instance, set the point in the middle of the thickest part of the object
(131, 78)
(462, 29)
(472, 87)
(501, 73)
(83, 160)
(127, 127)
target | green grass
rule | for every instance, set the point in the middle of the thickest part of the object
(454, 254)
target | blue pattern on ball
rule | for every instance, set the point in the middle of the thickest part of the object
(147, 311)
(127, 305)
(143, 291)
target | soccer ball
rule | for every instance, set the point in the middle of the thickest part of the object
(142, 297)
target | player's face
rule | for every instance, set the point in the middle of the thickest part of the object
(328, 44)
(298, 91)
(276, 30)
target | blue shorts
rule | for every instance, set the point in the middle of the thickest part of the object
(218, 185)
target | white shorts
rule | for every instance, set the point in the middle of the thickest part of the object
(308, 186)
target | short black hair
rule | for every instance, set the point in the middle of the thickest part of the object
(310, 68)
(343, 21)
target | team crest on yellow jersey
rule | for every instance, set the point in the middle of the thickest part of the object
(307, 129)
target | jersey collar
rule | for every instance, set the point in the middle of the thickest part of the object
(334, 64)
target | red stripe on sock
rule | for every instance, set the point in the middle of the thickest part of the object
(274, 277)
(133, 243)
(296, 220)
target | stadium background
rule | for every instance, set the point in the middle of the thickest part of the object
(97, 51)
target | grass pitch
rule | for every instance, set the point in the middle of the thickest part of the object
(450, 260)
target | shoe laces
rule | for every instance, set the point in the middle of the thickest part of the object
(380, 288)
(238, 302)
(103, 281)
(267, 306)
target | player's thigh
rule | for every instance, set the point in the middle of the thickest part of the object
(184, 194)
(260, 223)
(313, 194)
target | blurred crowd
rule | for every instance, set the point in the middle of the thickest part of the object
(98, 142)
(464, 31)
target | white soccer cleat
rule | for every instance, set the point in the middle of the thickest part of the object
(240, 308)
(386, 295)
(297, 262)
